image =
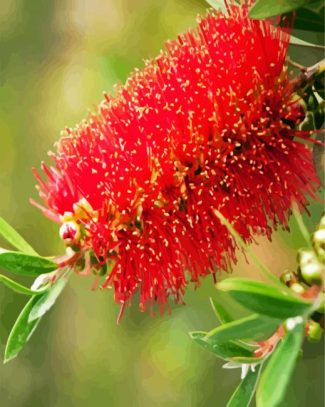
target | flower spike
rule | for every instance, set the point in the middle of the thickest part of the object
(208, 125)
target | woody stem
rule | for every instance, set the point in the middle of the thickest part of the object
(307, 74)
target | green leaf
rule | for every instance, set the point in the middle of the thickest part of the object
(301, 43)
(18, 288)
(264, 299)
(316, 5)
(218, 5)
(218, 305)
(21, 331)
(276, 375)
(309, 20)
(226, 308)
(14, 238)
(244, 393)
(25, 264)
(247, 360)
(270, 8)
(253, 327)
(224, 351)
(311, 104)
(308, 123)
(221, 5)
(30, 316)
(47, 300)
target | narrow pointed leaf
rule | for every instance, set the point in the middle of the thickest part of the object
(47, 300)
(25, 264)
(219, 307)
(270, 8)
(218, 5)
(244, 393)
(264, 299)
(14, 238)
(226, 308)
(247, 360)
(224, 351)
(19, 288)
(253, 327)
(301, 43)
(276, 376)
(21, 331)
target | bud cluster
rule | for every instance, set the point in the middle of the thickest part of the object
(308, 281)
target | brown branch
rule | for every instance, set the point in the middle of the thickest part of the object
(307, 75)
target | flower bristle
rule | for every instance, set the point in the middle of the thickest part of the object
(209, 124)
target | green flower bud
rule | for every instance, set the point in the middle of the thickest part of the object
(310, 268)
(306, 256)
(297, 288)
(314, 331)
(312, 273)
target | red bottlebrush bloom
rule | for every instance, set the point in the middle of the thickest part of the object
(209, 124)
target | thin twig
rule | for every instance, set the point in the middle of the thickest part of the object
(315, 46)
(296, 64)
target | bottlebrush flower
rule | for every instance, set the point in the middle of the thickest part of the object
(209, 124)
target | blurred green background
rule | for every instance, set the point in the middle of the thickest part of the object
(56, 58)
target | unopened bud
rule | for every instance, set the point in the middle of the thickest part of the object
(311, 269)
(306, 256)
(297, 288)
(314, 331)
(312, 273)
(70, 232)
